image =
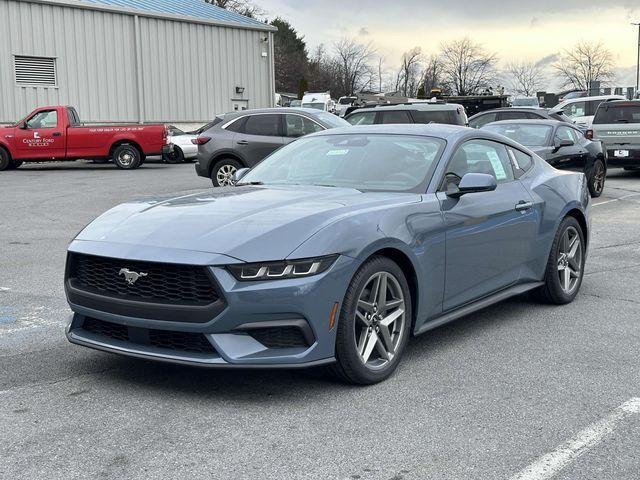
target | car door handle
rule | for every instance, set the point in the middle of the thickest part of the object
(523, 206)
(57, 134)
(242, 142)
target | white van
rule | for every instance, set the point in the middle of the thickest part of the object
(581, 110)
(319, 101)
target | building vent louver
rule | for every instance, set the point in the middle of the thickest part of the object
(37, 71)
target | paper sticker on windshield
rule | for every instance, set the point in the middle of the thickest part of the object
(497, 165)
(337, 152)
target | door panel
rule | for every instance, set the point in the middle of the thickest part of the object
(260, 136)
(568, 158)
(43, 138)
(488, 239)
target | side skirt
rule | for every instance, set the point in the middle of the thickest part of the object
(477, 305)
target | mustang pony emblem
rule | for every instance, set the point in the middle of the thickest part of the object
(130, 276)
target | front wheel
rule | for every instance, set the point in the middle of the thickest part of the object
(597, 178)
(127, 157)
(565, 267)
(374, 323)
(223, 171)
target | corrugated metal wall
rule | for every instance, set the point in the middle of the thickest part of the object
(189, 71)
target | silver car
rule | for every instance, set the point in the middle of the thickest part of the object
(245, 138)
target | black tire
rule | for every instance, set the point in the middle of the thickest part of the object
(221, 171)
(350, 366)
(552, 290)
(127, 157)
(5, 160)
(596, 178)
(176, 156)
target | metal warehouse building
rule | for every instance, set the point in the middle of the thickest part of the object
(170, 61)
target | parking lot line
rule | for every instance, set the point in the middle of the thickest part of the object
(616, 199)
(550, 464)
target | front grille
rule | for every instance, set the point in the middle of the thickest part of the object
(170, 340)
(163, 282)
(279, 337)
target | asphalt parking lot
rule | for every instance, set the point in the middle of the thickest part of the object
(482, 398)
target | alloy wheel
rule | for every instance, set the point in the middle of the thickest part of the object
(224, 175)
(570, 260)
(125, 158)
(380, 316)
(598, 178)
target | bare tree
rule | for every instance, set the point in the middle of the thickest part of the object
(584, 63)
(244, 7)
(409, 74)
(352, 64)
(526, 78)
(466, 67)
(432, 75)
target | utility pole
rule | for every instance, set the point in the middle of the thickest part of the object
(638, 64)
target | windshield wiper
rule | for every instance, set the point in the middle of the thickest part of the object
(622, 120)
(248, 183)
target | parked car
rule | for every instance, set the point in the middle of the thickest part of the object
(617, 125)
(343, 104)
(245, 138)
(319, 101)
(514, 113)
(295, 104)
(573, 94)
(423, 112)
(55, 133)
(582, 109)
(561, 144)
(334, 250)
(526, 102)
(183, 147)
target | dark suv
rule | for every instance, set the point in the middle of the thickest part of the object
(514, 113)
(244, 138)
(419, 112)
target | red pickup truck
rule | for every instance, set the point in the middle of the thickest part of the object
(55, 133)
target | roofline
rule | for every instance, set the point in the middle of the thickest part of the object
(145, 13)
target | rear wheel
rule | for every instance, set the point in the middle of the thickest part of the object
(5, 160)
(597, 178)
(127, 157)
(176, 156)
(374, 323)
(565, 267)
(223, 171)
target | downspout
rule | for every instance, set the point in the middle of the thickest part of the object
(272, 75)
(138, 61)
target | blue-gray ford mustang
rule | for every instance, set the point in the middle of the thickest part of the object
(333, 250)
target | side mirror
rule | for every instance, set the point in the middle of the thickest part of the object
(241, 172)
(23, 126)
(563, 143)
(474, 183)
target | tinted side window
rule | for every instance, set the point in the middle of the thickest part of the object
(442, 116)
(482, 120)
(513, 115)
(521, 161)
(362, 118)
(298, 126)
(479, 156)
(399, 116)
(565, 133)
(263, 125)
(237, 125)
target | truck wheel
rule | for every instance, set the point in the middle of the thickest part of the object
(597, 179)
(174, 157)
(126, 157)
(5, 160)
(223, 171)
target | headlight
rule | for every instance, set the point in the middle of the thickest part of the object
(250, 272)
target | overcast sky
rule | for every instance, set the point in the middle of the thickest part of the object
(531, 30)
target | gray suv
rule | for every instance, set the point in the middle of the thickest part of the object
(418, 112)
(244, 138)
(617, 124)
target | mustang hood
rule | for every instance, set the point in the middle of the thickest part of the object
(251, 223)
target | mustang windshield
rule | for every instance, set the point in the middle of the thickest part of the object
(528, 135)
(368, 162)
